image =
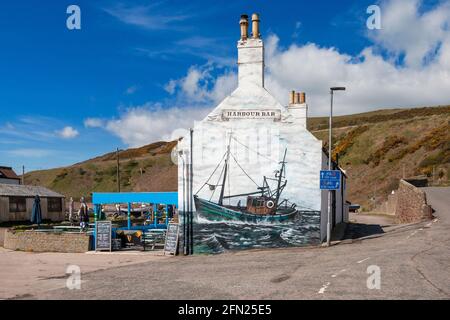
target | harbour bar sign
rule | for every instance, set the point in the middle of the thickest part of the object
(251, 114)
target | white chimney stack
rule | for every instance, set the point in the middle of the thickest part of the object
(298, 108)
(250, 53)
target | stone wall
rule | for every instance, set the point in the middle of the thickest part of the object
(46, 241)
(411, 204)
(2, 236)
(389, 206)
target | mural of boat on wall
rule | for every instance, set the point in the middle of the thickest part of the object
(264, 205)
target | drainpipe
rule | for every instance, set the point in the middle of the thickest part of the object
(191, 213)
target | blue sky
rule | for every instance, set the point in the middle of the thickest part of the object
(68, 95)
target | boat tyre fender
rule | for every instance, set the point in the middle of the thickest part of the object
(270, 204)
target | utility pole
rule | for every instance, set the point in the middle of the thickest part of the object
(118, 170)
(434, 172)
(23, 175)
(330, 159)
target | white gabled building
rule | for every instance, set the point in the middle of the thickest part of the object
(258, 130)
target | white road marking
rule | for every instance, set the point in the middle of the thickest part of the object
(335, 275)
(324, 287)
(361, 261)
(413, 233)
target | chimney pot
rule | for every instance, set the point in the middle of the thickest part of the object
(297, 98)
(302, 97)
(255, 26)
(244, 26)
(292, 97)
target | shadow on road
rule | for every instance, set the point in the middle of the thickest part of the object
(360, 230)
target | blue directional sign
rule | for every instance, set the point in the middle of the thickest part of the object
(330, 179)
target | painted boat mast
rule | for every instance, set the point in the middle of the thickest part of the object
(280, 176)
(222, 190)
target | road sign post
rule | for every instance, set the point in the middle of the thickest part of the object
(330, 180)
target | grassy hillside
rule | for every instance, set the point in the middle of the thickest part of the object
(148, 168)
(376, 149)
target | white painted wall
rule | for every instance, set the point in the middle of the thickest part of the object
(267, 139)
(258, 143)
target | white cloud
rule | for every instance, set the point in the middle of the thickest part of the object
(148, 123)
(296, 33)
(200, 87)
(30, 153)
(30, 128)
(131, 90)
(373, 80)
(148, 17)
(196, 92)
(212, 50)
(68, 133)
(407, 31)
(170, 86)
(94, 123)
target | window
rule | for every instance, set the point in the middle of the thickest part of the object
(17, 204)
(54, 205)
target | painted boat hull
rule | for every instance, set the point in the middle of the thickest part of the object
(213, 211)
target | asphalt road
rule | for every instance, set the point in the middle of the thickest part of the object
(414, 263)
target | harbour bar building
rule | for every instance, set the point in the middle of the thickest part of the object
(256, 167)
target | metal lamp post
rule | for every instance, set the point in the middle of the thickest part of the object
(332, 90)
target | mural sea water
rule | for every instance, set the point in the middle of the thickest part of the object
(221, 236)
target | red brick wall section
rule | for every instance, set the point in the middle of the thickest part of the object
(411, 204)
(46, 242)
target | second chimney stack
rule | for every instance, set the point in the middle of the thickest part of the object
(297, 97)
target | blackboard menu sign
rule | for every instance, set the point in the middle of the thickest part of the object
(103, 235)
(171, 243)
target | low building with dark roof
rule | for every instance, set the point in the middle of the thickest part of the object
(8, 176)
(16, 203)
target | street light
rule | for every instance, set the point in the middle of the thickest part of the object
(332, 90)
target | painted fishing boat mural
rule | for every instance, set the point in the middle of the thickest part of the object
(242, 204)
(264, 205)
